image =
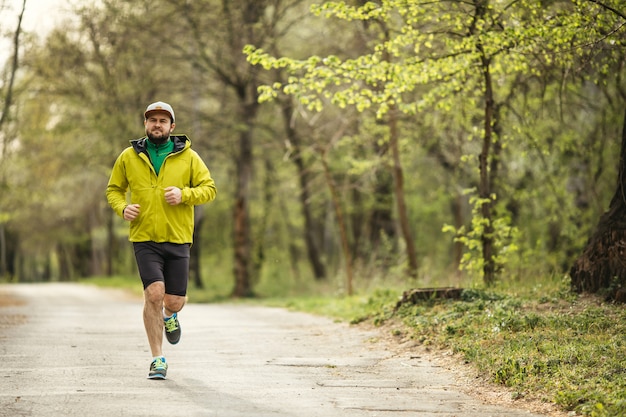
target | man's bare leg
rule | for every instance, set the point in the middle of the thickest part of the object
(153, 316)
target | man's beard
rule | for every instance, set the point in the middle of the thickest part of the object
(159, 138)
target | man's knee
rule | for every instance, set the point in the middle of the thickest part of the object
(155, 293)
(174, 303)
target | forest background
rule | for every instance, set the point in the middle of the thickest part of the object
(354, 144)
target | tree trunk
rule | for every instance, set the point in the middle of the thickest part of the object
(195, 261)
(8, 92)
(262, 224)
(4, 117)
(195, 264)
(111, 242)
(380, 222)
(3, 252)
(81, 256)
(65, 264)
(343, 232)
(381, 219)
(484, 192)
(98, 254)
(456, 206)
(398, 176)
(246, 89)
(312, 246)
(241, 217)
(602, 265)
(12, 254)
(248, 108)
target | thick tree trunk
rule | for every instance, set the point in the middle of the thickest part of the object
(246, 90)
(241, 214)
(602, 265)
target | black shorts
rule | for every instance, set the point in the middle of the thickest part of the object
(165, 262)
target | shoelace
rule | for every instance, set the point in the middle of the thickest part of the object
(159, 364)
(171, 324)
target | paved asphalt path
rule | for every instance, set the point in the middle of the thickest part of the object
(72, 350)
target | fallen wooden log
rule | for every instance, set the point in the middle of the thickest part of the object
(415, 295)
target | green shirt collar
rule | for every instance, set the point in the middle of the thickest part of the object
(159, 152)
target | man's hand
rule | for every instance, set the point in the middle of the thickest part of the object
(173, 196)
(131, 212)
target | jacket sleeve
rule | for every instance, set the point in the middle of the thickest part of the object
(202, 187)
(117, 187)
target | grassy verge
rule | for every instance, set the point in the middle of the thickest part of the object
(543, 344)
(540, 341)
(568, 351)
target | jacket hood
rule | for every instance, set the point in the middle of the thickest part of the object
(180, 143)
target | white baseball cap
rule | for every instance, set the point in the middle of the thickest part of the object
(160, 106)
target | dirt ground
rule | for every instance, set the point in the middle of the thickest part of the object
(7, 320)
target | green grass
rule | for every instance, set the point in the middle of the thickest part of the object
(538, 340)
(353, 309)
(213, 292)
(130, 284)
(553, 347)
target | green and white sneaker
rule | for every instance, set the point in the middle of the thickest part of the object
(158, 368)
(172, 329)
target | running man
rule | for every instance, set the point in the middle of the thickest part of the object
(166, 179)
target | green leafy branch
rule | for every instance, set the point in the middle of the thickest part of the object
(504, 235)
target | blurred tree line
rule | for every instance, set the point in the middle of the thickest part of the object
(434, 142)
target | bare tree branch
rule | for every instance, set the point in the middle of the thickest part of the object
(8, 98)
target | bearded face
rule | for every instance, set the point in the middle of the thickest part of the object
(158, 126)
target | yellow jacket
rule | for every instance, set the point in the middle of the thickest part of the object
(158, 221)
